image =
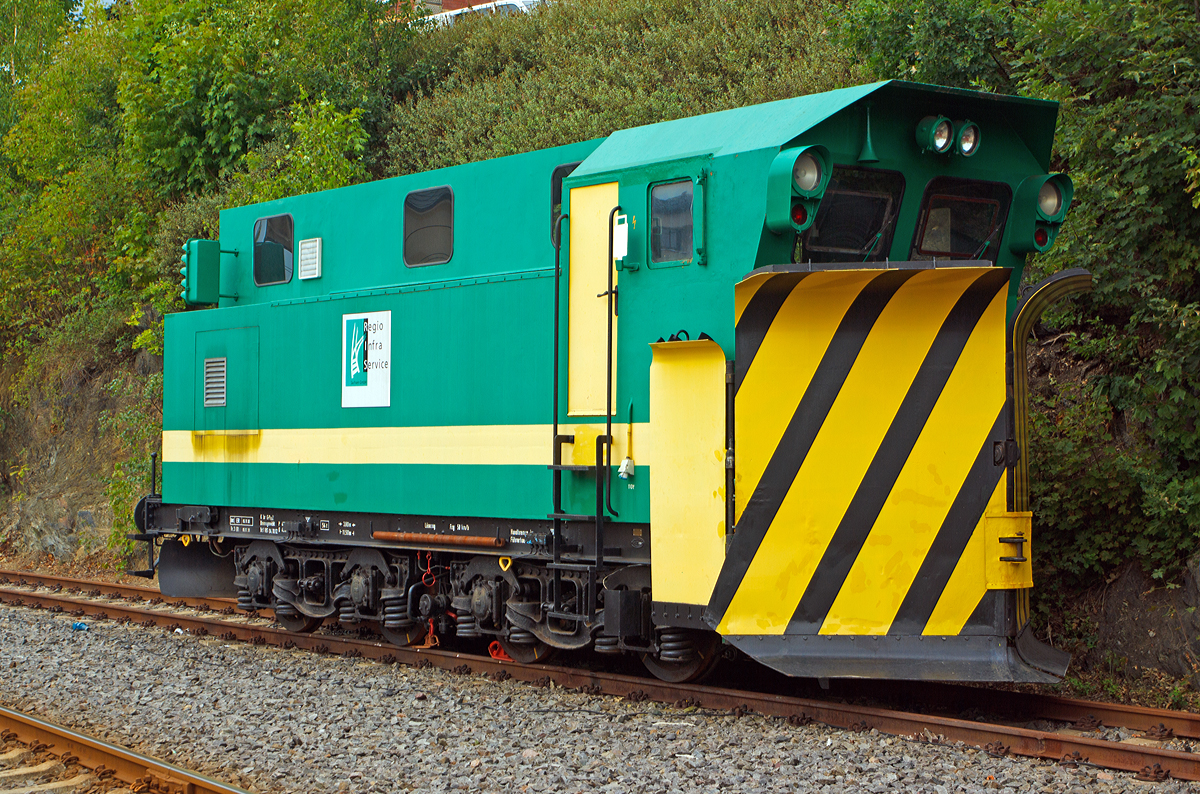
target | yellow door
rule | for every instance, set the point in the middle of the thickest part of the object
(587, 346)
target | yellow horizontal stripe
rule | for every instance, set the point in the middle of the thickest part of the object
(843, 449)
(460, 445)
(927, 485)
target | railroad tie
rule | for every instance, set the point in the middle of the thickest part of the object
(13, 757)
(78, 783)
(11, 776)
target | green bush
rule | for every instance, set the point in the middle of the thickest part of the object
(1115, 455)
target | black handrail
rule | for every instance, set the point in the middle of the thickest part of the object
(608, 412)
(556, 447)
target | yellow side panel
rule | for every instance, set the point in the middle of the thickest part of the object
(1013, 573)
(587, 347)
(687, 491)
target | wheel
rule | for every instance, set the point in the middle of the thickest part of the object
(705, 651)
(536, 652)
(300, 624)
(404, 637)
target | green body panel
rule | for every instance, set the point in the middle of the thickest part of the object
(472, 339)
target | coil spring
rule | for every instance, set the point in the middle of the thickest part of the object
(285, 610)
(607, 644)
(246, 601)
(522, 637)
(395, 613)
(468, 625)
(676, 646)
(347, 612)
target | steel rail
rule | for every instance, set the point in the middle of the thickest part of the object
(87, 587)
(998, 739)
(1022, 705)
(130, 767)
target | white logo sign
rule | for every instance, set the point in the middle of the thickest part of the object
(366, 373)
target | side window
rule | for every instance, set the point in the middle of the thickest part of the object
(961, 219)
(561, 172)
(671, 222)
(429, 227)
(273, 250)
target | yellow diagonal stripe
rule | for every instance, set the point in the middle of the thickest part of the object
(967, 584)
(745, 291)
(842, 451)
(783, 366)
(927, 486)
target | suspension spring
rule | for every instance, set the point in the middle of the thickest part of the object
(246, 601)
(521, 637)
(395, 613)
(347, 613)
(468, 625)
(285, 610)
(606, 643)
(676, 646)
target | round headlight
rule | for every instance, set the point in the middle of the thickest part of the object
(968, 140)
(806, 173)
(941, 136)
(1049, 199)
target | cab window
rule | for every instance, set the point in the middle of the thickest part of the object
(961, 219)
(671, 222)
(273, 250)
(429, 227)
(857, 216)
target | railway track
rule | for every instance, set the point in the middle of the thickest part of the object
(39, 756)
(1148, 755)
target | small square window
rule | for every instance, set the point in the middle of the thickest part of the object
(429, 227)
(671, 222)
(273, 250)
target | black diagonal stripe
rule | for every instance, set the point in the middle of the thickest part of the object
(893, 452)
(756, 320)
(793, 447)
(952, 538)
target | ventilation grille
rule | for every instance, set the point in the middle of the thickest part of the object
(214, 382)
(310, 258)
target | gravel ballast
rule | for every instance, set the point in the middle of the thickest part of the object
(274, 720)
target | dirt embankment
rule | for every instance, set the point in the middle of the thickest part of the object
(58, 450)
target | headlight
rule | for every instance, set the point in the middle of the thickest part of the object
(935, 133)
(968, 139)
(806, 173)
(941, 136)
(1049, 199)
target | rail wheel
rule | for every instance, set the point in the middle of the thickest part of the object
(296, 622)
(685, 655)
(525, 648)
(404, 636)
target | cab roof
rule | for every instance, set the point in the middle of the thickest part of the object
(772, 124)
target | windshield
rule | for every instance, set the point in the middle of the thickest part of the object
(857, 216)
(961, 219)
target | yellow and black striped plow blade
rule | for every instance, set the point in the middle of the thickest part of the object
(872, 423)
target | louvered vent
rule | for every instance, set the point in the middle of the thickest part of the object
(310, 258)
(214, 382)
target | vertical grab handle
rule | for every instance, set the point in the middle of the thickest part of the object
(608, 395)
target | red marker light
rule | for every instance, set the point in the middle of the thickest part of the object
(799, 214)
(1041, 238)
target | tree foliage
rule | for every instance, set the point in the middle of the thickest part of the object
(1116, 450)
